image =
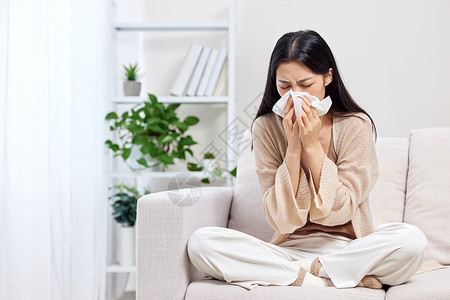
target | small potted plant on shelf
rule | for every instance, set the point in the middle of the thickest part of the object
(150, 135)
(124, 213)
(131, 87)
(209, 163)
(210, 167)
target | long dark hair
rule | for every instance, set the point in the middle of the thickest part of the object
(308, 47)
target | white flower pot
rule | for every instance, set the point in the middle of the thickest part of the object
(209, 165)
(126, 246)
(153, 164)
(131, 88)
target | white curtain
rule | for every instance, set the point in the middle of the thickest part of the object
(52, 202)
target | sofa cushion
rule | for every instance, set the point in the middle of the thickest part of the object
(221, 290)
(246, 213)
(387, 199)
(428, 193)
(429, 285)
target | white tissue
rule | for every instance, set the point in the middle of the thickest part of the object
(322, 107)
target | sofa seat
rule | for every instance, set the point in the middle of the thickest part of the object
(219, 290)
(429, 285)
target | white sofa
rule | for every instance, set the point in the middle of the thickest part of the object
(413, 186)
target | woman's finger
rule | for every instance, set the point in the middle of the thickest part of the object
(308, 110)
(288, 106)
(305, 99)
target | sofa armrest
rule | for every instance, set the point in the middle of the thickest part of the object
(164, 226)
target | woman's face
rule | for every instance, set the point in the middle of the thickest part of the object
(298, 77)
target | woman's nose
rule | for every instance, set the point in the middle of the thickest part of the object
(298, 89)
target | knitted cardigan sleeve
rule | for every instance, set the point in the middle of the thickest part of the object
(284, 212)
(346, 184)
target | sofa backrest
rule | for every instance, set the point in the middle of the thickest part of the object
(387, 199)
(246, 212)
(428, 192)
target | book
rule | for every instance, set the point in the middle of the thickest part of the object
(185, 74)
(216, 71)
(198, 72)
(222, 82)
(207, 73)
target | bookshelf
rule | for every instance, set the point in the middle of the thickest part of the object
(111, 175)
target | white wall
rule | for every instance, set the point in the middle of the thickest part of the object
(393, 55)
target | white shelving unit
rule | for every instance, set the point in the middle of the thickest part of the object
(110, 267)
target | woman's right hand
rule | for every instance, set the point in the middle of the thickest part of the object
(292, 129)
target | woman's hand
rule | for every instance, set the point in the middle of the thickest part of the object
(310, 124)
(292, 129)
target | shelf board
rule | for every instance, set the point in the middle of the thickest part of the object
(171, 26)
(120, 269)
(159, 174)
(173, 99)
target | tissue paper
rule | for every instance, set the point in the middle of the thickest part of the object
(322, 107)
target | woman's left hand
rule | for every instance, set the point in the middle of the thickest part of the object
(310, 125)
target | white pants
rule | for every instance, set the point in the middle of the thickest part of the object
(392, 253)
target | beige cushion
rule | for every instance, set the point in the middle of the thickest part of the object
(246, 212)
(387, 199)
(428, 195)
(205, 289)
(430, 285)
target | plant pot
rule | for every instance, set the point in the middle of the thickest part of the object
(131, 88)
(126, 246)
(209, 164)
(153, 164)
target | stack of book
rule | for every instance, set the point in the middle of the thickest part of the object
(200, 72)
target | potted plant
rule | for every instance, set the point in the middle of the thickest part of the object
(209, 163)
(131, 87)
(153, 133)
(210, 167)
(124, 212)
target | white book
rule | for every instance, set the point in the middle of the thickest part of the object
(207, 74)
(216, 71)
(198, 72)
(186, 70)
(222, 82)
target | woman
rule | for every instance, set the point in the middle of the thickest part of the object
(315, 173)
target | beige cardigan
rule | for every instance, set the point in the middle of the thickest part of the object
(344, 185)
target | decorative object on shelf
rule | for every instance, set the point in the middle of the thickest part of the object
(124, 212)
(210, 167)
(156, 130)
(131, 87)
(209, 163)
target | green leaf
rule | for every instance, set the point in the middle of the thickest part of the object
(142, 161)
(166, 159)
(111, 116)
(189, 151)
(165, 139)
(181, 126)
(153, 98)
(234, 172)
(187, 141)
(191, 120)
(155, 128)
(194, 167)
(217, 172)
(114, 147)
(126, 153)
(205, 180)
